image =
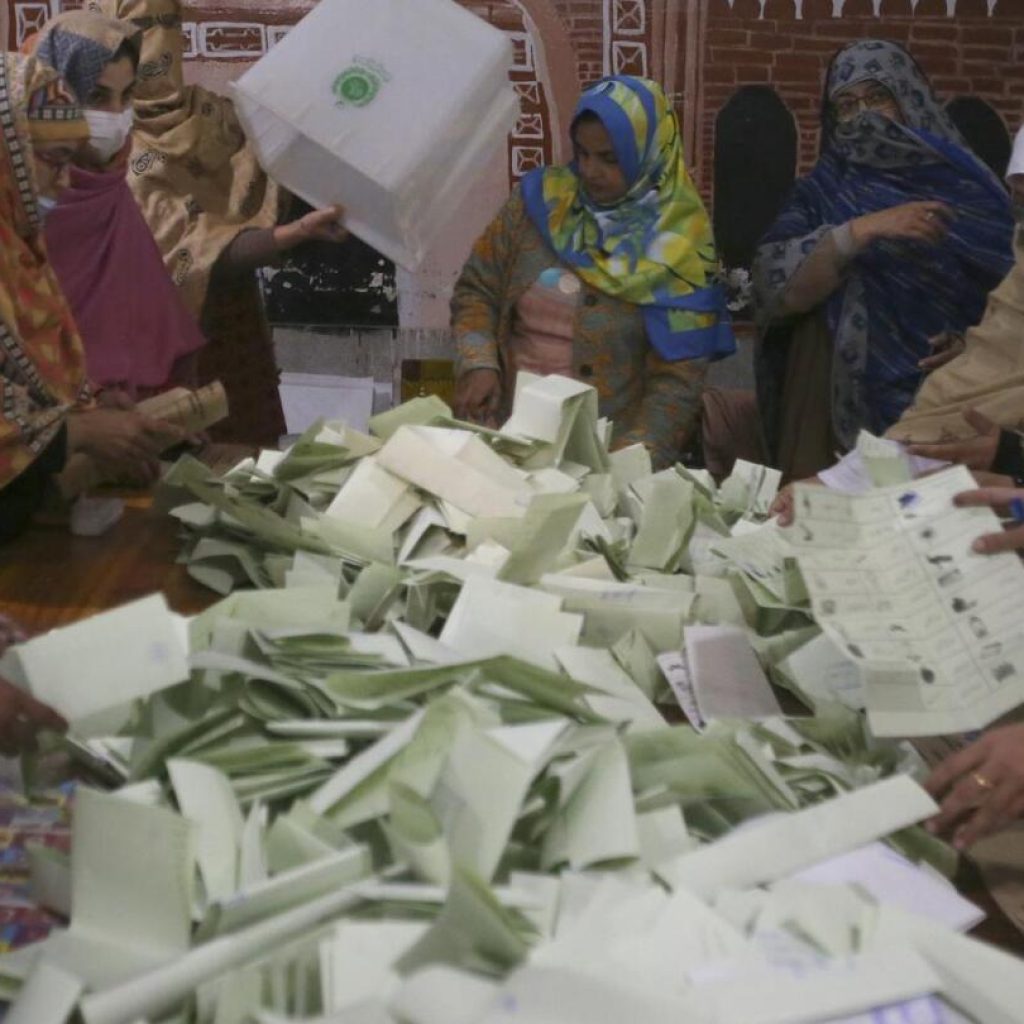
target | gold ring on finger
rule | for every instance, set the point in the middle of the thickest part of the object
(982, 781)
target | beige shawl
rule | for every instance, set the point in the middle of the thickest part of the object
(193, 173)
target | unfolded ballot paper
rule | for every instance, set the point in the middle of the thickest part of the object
(934, 626)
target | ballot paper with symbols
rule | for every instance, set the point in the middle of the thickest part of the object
(893, 580)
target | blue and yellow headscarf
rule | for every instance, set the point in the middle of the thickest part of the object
(654, 248)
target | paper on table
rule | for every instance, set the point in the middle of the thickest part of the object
(102, 662)
(539, 995)
(492, 618)
(935, 626)
(837, 988)
(206, 798)
(459, 468)
(308, 397)
(786, 843)
(750, 488)
(443, 995)
(859, 470)
(612, 610)
(51, 878)
(676, 671)
(979, 979)
(892, 880)
(616, 697)
(823, 673)
(600, 819)
(48, 996)
(356, 962)
(727, 678)
(132, 880)
(374, 498)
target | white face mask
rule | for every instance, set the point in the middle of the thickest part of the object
(108, 132)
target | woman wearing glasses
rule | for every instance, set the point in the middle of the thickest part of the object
(891, 242)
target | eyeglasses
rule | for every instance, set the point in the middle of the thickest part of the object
(878, 98)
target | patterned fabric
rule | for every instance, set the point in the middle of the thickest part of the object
(987, 376)
(80, 44)
(43, 371)
(138, 338)
(652, 401)
(199, 186)
(191, 169)
(654, 249)
(896, 294)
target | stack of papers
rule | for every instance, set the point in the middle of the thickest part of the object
(415, 766)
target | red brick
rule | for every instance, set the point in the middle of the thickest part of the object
(750, 74)
(972, 8)
(985, 36)
(771, 41)
(932, 30)
(719, 74)
(727, 37)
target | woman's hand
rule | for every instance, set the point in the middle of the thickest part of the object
(125, 444)
(478, 397)
(22, 717)
(327, 225)
(998, 498)
(945, 348)
(978, 452)
(114, 398)
(981, 788)
(917, 222)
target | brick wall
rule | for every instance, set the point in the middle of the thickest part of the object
(971, 53)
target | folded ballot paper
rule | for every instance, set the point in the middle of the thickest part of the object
(105, 662)
(389, 107)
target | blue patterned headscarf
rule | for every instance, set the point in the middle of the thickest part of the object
(896, 294)
(80, 44)
(654, 248)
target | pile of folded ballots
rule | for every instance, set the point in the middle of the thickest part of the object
(484, 729)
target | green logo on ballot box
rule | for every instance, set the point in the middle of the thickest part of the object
(359, 85)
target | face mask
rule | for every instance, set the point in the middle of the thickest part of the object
(45, 205)
(108, 132)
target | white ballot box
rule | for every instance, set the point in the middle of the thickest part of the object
(389, 107)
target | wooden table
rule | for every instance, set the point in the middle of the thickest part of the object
(49, 577)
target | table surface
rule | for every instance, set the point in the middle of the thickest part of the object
(49, 578)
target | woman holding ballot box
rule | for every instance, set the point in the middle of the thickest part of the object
(213, 213)
(47, 410)
(604, 270)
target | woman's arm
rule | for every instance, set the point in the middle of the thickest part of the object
(477, 305)
(668, 412)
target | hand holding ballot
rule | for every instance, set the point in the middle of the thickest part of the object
(478, 397)
(1003, 500)
(981, 788)
(977, 452)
